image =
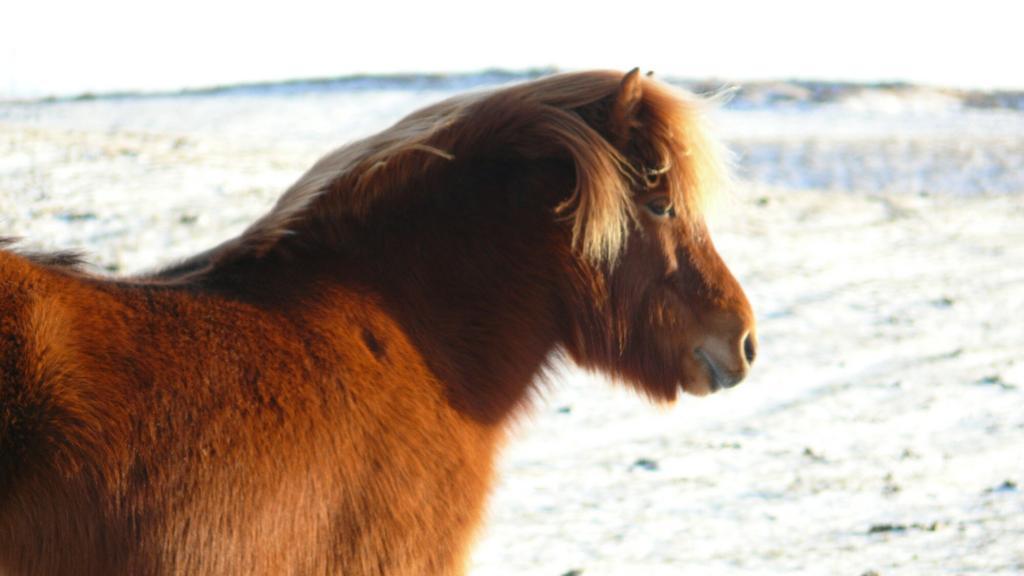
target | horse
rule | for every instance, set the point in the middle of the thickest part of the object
(327, 392)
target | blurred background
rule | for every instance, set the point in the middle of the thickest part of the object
(877, 225)
(59, 47)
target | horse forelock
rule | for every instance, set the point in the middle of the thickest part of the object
(697, 166)
(533, 121)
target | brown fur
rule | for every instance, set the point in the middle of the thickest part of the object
(326, 394)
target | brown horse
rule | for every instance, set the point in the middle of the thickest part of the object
(326, 393)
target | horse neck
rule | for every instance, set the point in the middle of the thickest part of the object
(481, 309)
(486, 346)
(473, 272)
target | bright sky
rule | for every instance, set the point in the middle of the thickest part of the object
(73, 46)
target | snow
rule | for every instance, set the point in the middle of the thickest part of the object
(881, 244)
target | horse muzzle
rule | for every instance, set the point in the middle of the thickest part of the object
(727, 361)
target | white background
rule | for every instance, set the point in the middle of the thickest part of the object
(69, 47)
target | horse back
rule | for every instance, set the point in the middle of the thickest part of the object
(56, 434)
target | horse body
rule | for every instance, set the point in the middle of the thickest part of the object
(326, 393)
(227, 456)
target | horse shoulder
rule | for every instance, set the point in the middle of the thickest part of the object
(416, 459)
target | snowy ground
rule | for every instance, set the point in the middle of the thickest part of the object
(880, 242)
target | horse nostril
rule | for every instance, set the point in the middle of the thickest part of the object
(749, 348)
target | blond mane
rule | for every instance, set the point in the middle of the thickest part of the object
(533, 121)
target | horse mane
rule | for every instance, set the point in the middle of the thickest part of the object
(61, 259)
(533, 121)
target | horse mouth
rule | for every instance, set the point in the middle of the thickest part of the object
(717, 378)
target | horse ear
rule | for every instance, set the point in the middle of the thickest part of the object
(624, 109)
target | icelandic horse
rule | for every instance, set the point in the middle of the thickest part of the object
(327, 392)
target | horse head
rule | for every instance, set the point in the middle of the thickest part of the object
(655, 305)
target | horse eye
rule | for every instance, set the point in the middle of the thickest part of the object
(652, 176)
(662, 207)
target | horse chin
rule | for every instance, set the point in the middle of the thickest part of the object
(699, 387)
(701, 381)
